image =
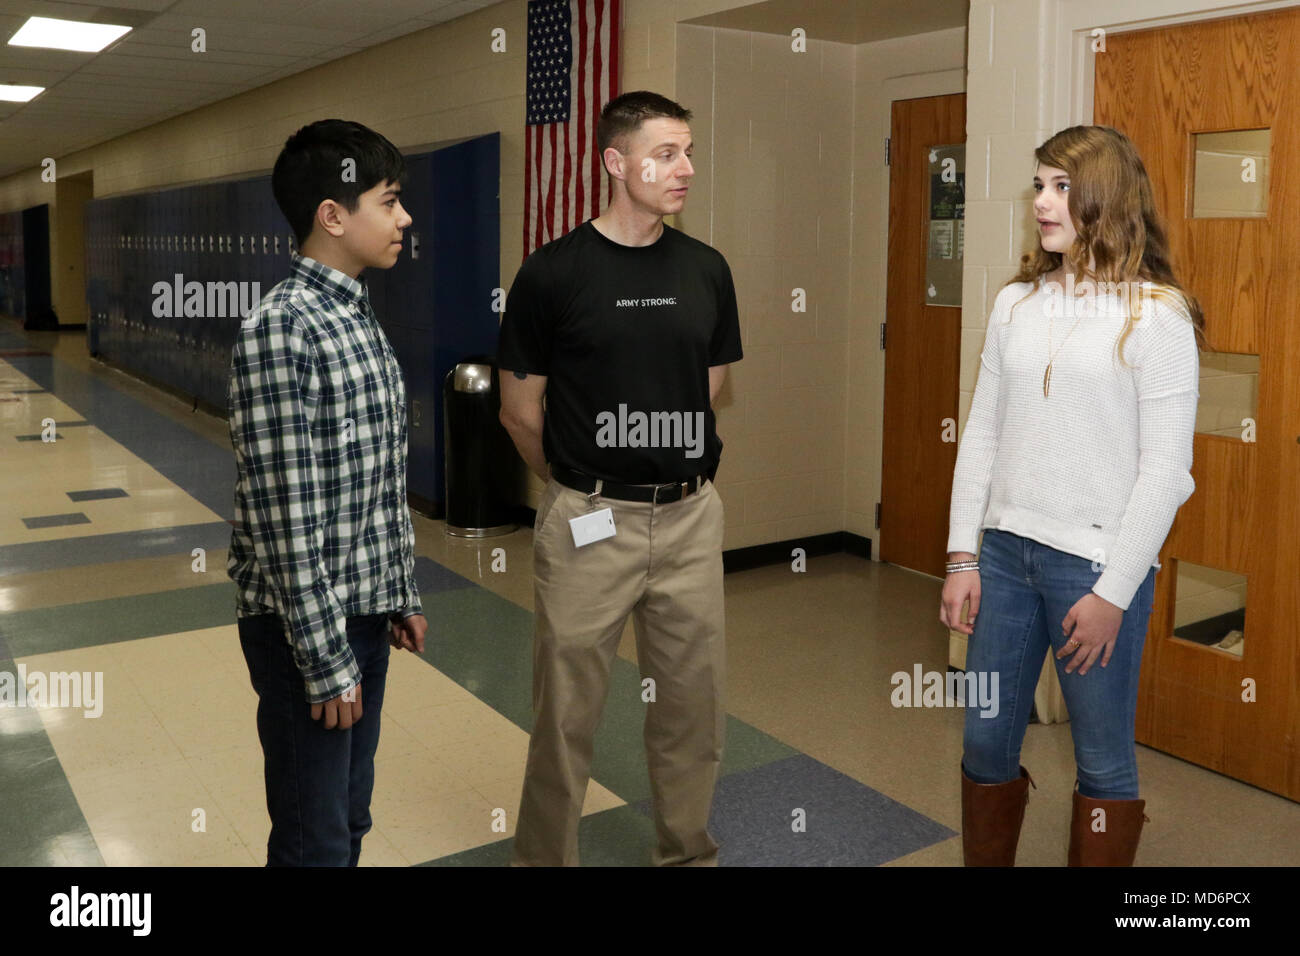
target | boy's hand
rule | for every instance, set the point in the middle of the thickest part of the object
(342, 711)
(409, 633)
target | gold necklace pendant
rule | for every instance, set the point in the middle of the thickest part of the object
(1047, 378)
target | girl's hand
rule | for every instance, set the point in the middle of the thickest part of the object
(958, 588)
(1092, 626)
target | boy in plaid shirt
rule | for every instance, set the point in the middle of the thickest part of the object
(323, 549)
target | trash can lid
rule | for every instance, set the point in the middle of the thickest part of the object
(468, 377)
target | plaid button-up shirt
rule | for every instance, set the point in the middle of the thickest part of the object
(317, 411)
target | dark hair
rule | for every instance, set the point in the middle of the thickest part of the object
(624, 115)
(310, 168)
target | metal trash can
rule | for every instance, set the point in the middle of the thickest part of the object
(481, 461)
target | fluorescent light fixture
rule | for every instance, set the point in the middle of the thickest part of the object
(67, 34)
(18, 94)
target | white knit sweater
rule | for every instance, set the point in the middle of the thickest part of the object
(1097, 469)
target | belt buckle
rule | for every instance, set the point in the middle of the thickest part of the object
(680, 486)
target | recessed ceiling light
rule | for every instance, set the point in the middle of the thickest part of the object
(18, 94)
(67, 34)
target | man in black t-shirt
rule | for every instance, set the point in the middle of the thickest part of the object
(614, 344)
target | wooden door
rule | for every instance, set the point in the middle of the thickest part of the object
(1162, 87)
(922, 348)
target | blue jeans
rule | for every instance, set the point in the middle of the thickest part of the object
(1026, 589)
(318, 781)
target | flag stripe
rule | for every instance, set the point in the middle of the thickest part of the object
(583, 101)
(572, 66)
(596, 90)
(611, 75)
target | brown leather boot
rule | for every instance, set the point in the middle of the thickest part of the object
(1117, 844)
(991, 815)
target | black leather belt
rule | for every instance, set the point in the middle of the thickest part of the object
(660, 494)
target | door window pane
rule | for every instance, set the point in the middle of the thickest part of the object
(1231, 174)
(945, 205)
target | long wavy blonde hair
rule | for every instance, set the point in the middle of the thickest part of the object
(1112, 207)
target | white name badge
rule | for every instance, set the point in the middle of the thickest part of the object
(596, 526)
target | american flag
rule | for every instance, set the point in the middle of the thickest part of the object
(572, 74)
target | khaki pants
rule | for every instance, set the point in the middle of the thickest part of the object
(664, 567)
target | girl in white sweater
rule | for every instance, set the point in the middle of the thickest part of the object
(1075, 457)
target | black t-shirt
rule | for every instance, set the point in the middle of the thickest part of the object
(625, 336)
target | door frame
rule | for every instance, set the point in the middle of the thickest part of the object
(916, 86)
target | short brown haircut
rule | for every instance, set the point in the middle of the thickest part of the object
(624, 115)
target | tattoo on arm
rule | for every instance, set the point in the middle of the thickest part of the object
(521, 375)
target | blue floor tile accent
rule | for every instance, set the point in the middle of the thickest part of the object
(56, 521)
(37, 436)
(205, 469)
(118, 546)
(847, 823)
(432, 578)
(97, 494)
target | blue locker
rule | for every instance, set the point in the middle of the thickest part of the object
(185, 257)
(90, 230)
(175, 266)
(258, 230)
(465, 250)
(277, 228)
(213, 262)
(210, 268)
(190, 267)
(424, 416)
(280, 230)
(124, 278)
(113, 263)
(133, 279)
(108, 242)
(175, 342)
(245, 253)
(415, 268)
(243, 227)
(143, 289)
(109, 342)
(162, 325)
(165, 329)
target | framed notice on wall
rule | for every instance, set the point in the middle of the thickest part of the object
(946, 208)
